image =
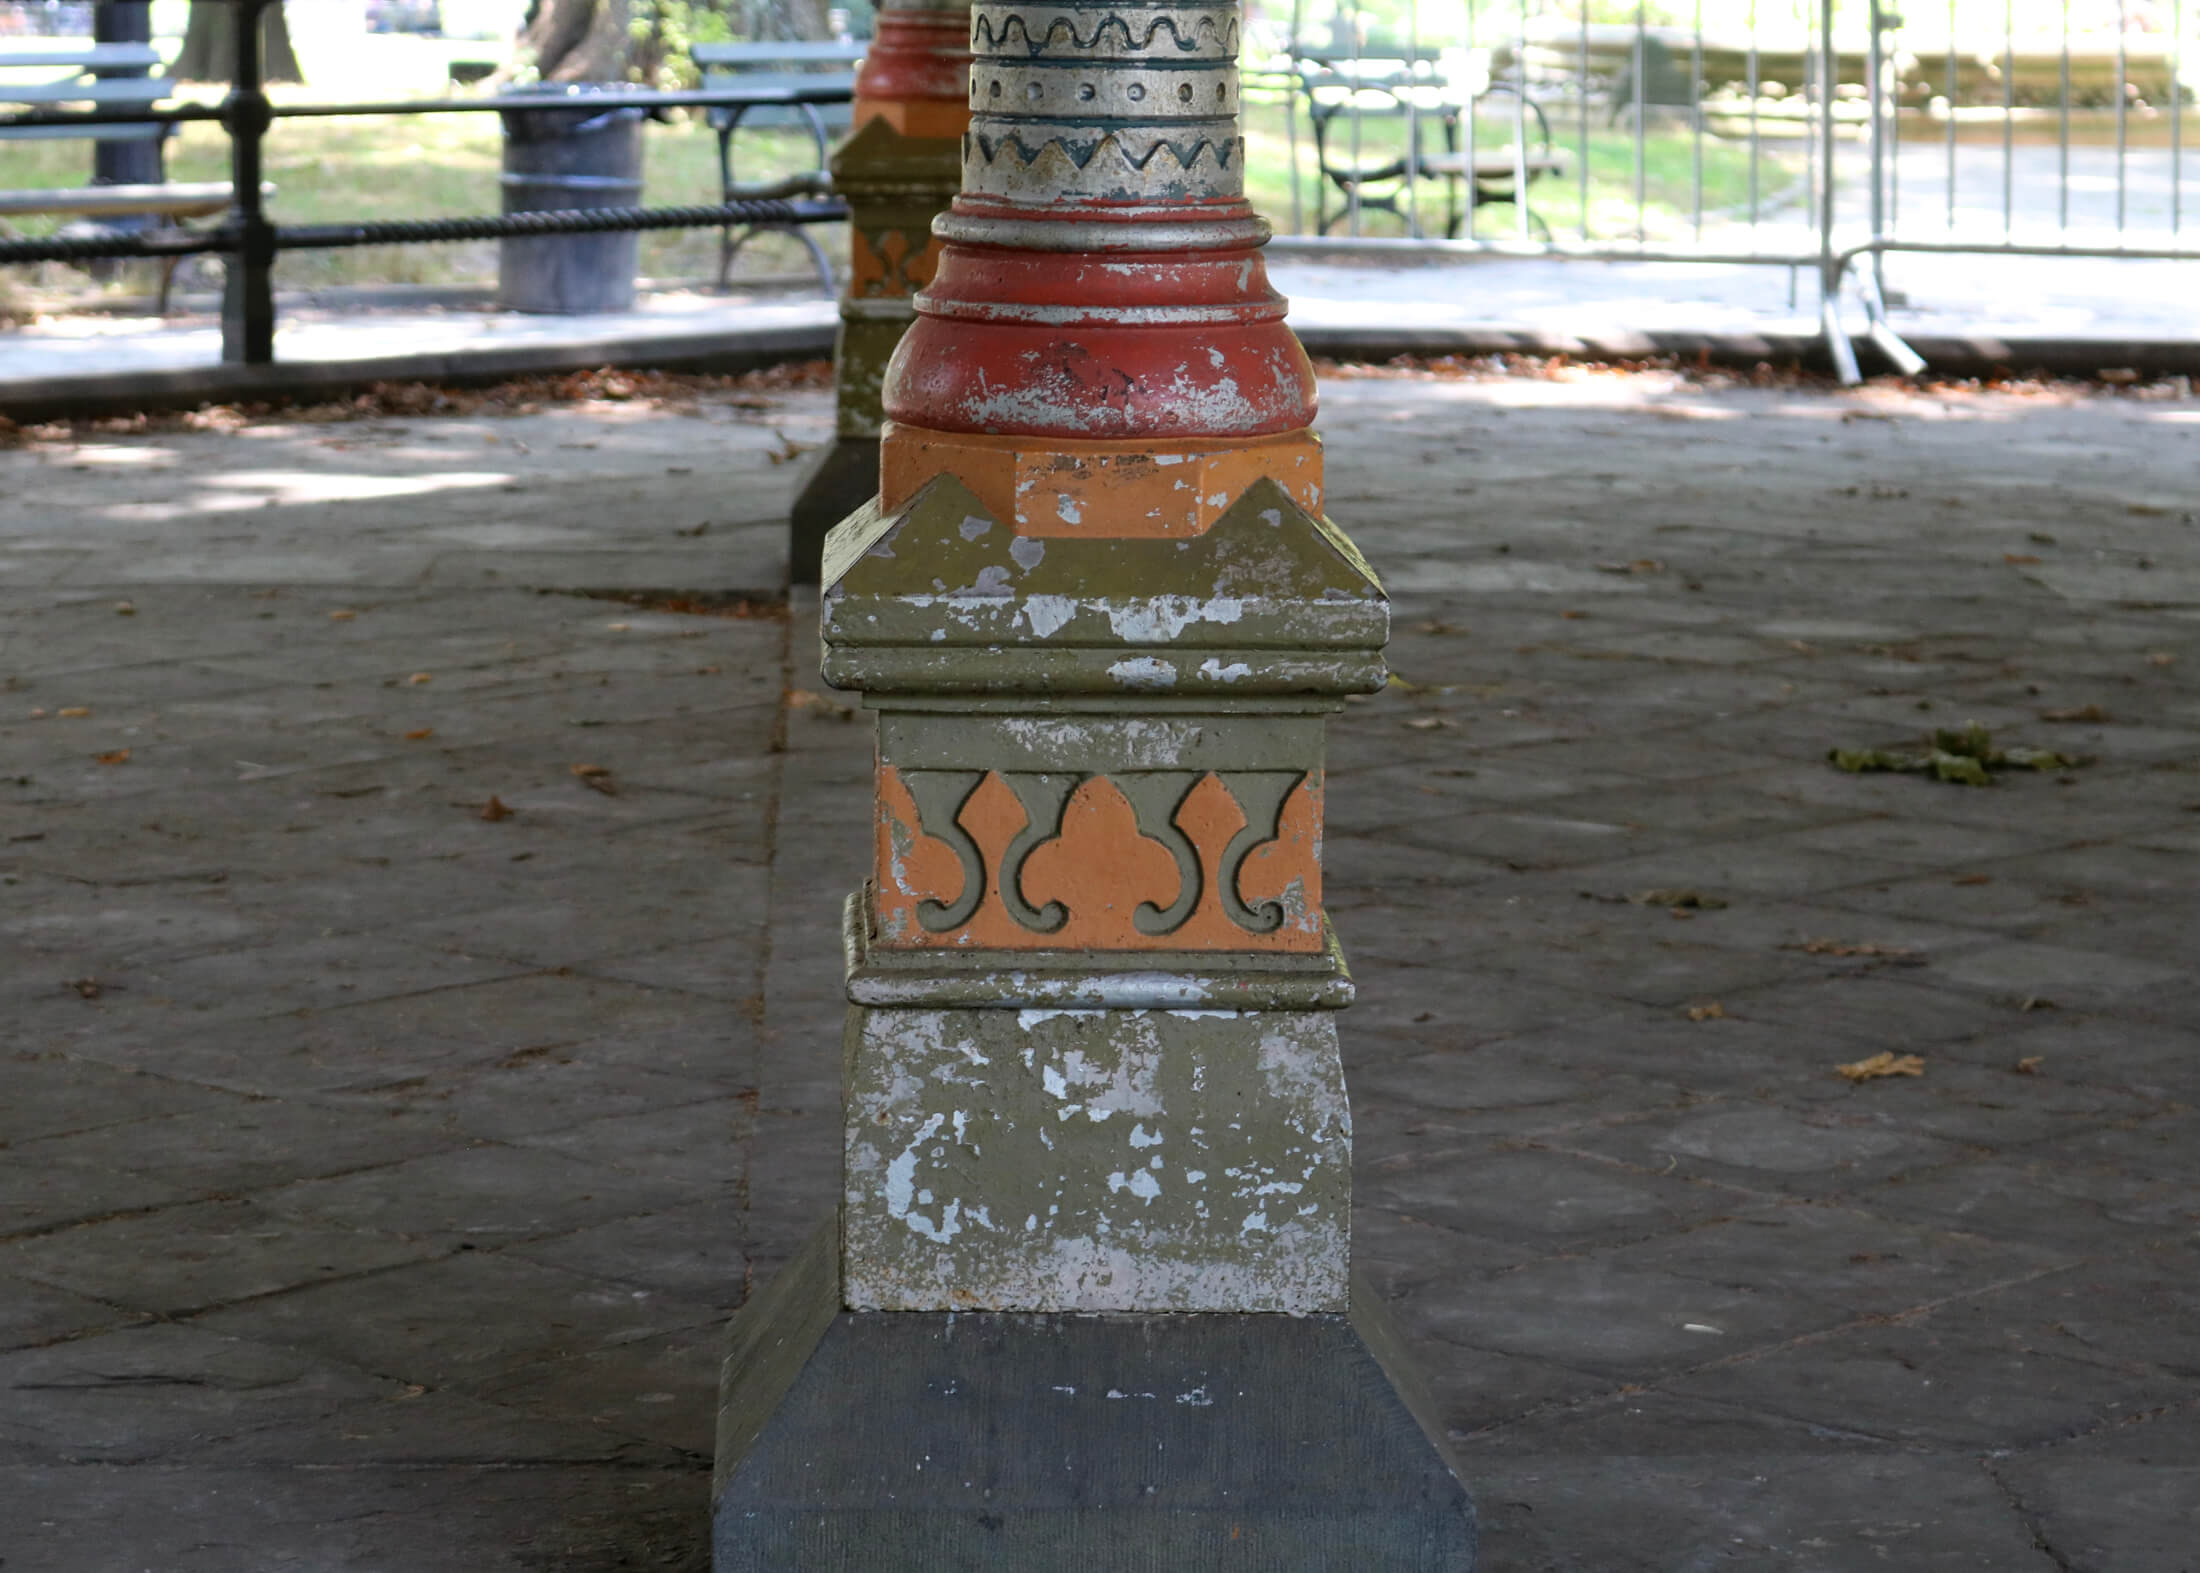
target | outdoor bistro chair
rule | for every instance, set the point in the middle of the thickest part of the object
(1366, 109)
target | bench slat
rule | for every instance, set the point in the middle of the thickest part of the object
(1491, 165)
(184, 199)
(108, 56)
(776, 54)
(148, 131)
(117, 90)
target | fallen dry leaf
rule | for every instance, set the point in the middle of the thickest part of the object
(1677, 899)
(1711, 1012)
(2036, 1002)
(2029, 1065)
(86, 988)
(788, 448)
(1972, 879)
(341, 616)
(120, 756)
(2019, 559)
(1884, 1063)
(2075, 713)
(2161, 658)
(420, 734)
(597, 778)
(73, 712)
(1834, 947)
(125, 609)
(495, 809)
(420, 679)
(1426, 723)
(803, 699)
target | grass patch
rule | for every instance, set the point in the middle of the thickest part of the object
(1670, 177)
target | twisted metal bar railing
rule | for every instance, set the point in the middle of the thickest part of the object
(1823, 137)
(251, 241)
(313, 237)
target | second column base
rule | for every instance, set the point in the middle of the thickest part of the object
(841, 479)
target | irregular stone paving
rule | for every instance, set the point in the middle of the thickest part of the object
(375, 1175)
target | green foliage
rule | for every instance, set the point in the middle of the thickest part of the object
(1960, 756)
(666, 31)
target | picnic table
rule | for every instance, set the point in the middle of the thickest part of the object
(765, 67)
(1409, 98)
(103, 76)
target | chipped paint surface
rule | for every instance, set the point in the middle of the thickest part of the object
(1119, 488)
(1096, 1160)
(1092, 1061)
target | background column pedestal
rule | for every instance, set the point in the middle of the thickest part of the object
(840, 479)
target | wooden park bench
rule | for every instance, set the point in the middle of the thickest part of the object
(83, 87)
(769, 68)
(1347, 99)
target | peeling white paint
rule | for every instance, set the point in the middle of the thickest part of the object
(1027, 551)
(1140, 1183)
(1028, 1019)
(1143, 671)
(1046, 614)
(973, 526)
(1158, 619)
(1213, 670)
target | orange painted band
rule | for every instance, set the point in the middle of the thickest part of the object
(1100, 488)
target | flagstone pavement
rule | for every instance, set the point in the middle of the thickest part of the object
(419, 981)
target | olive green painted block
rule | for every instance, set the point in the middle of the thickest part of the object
(869, 331)
(1089, 1160)
(1110, 743)
(1269, 594)
(877, 162)
(1241, 980)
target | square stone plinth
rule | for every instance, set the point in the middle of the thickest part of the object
(1090, 1160)
(1001, 1442)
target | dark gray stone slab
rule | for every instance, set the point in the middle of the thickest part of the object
(840, 480)
(1079, 1444)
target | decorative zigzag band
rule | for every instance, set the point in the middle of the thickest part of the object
(1182, 33)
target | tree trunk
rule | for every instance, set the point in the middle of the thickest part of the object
(209, 51)
(578, 40)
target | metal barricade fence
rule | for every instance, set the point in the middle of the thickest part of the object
(1817, 135)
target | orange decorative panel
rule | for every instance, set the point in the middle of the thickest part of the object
(1163, 860)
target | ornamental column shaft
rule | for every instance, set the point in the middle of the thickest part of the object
(897, 170)
(1088, 1304)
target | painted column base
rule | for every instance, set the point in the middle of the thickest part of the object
(841, 479)
(1001, 1442)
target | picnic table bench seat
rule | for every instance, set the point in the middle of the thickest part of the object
(82, 84)
(1346, 92)
(770, 68)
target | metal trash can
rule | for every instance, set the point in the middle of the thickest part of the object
(589, 156)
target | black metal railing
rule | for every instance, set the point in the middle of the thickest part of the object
(251, 240)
